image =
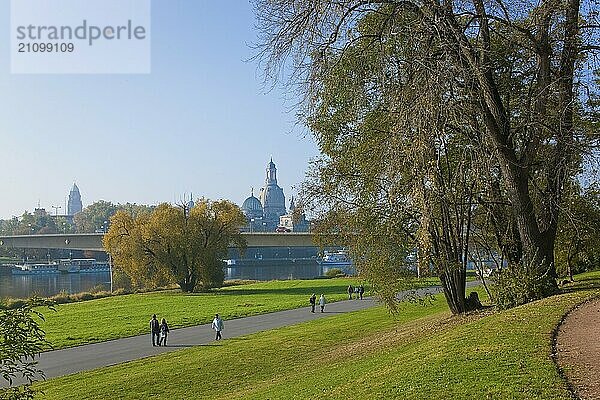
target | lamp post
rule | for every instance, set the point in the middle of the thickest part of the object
(105, 226)
(251, 224)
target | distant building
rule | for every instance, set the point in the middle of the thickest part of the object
(74, 205)
(263, 212)
(295, 221)
(272, 198)
(268, 213)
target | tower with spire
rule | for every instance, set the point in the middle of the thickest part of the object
(74, 204)
(272, 198)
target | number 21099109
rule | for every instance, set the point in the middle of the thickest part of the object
(46, 47)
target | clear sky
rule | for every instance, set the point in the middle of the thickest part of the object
(201, 122)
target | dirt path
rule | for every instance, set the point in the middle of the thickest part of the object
(578, 345)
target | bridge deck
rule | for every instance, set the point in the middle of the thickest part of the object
(93, 241)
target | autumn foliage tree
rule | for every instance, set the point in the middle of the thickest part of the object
(176, 244)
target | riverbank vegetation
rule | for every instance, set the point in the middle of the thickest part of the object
(423, 352)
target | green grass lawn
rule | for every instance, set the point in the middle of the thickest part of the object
(421, 353)
(120, 316)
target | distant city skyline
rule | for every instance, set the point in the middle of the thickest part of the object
(201, 122)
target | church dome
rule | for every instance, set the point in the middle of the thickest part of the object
(273, 201)
(252, 207)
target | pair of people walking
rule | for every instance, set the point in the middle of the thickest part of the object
(160, 331)
(313, 302)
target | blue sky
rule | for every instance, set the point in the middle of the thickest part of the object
(201, 122)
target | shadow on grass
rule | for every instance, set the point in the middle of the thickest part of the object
(582, 284)
(277, 291)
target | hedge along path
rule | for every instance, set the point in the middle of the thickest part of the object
(578, 346)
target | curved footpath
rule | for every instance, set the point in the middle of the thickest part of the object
(82, 358)
(578, 347)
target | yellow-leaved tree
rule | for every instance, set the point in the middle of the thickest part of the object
(176, 244)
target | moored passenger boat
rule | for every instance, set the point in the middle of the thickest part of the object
(34, 269)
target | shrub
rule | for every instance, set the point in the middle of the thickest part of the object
(518, 284)
(98, 289)
(333, 272)
(83, 296)
(120, 292)
(12, 304)
(62, 298)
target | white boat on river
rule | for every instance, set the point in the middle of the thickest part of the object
(34, 269)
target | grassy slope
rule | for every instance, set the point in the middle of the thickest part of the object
(121, 316)
(424, 353)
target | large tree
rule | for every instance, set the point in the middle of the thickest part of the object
(176, 244)
(390, 81)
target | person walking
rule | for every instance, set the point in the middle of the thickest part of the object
(313, 302)
(361, 291)
(322, 302)
(217, 325)
(350, 291)
(155, 329)
(164, 332)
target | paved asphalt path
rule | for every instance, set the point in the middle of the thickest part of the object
(82, 358)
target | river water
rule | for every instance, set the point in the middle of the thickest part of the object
(24, 286)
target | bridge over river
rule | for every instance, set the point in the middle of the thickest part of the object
(93, 241)
(269, 256)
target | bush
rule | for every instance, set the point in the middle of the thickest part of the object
(83, 296)
(12, 304)
(238, 282)
(120, 292)
(98, 289)
(62, 298)
(333, 272)
(516, 285)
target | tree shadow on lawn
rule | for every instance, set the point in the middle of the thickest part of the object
(276, 291)
(581, 284)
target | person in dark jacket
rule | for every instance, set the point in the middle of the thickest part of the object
(361, 291)
(155, 329)
(313, 302)
(164, 332)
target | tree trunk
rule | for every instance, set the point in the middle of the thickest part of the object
(453, 284)
(188, 283)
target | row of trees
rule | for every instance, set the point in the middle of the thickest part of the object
(444, 126)
(91, 219)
